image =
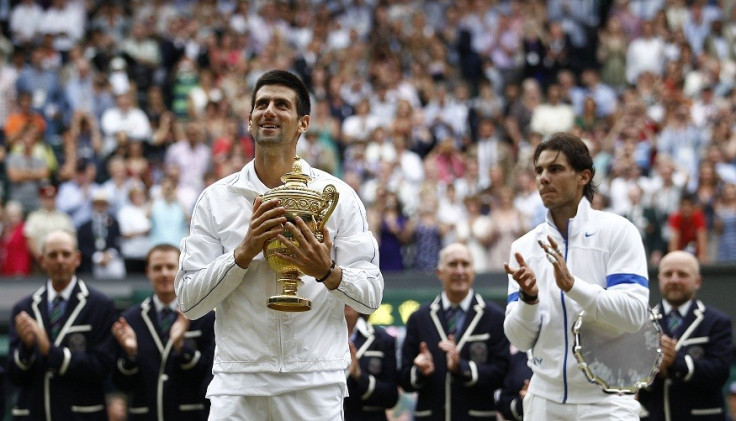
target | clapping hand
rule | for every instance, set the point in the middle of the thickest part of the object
(424, 361)
(354, 369)
(523, 275)
(562, 275)
(31, 333)
(452, 353)
(126, 337)
(668, 354)
(178, 329)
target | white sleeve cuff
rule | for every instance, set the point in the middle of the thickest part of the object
(121, 367)
(527, 312)
(690, 368)
(371, 387)
(67, 360)
(414, 377)
(584, 293)
(193, 361)
(473, 374)
(23, 366)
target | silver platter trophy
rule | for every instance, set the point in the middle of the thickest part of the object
(621, 363)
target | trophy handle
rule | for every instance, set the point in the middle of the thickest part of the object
(330, 195)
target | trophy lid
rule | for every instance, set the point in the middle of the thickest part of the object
(296, 175)
(295, 186)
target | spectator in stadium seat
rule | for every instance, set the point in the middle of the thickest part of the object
(74, 196)
(44, 220)
(688, 229)
(99, 240)
(26, 170)
(22, 116)
(15, 259)
(123, 117)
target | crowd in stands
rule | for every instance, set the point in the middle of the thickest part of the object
(117, 114)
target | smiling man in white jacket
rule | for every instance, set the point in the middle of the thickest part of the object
(273, 365)
(578, 259)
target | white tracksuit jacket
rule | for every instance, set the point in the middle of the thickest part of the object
(605, 254)
(251, 337)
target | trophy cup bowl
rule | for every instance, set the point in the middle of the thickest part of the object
(314, 208)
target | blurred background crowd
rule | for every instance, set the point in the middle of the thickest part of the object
(115, 115)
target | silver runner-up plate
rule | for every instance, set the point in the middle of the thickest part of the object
(620, 362)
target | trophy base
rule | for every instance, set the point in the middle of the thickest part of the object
(289, 303)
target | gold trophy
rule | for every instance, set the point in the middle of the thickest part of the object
(314, 208)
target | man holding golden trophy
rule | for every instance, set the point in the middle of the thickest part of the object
(278, 249)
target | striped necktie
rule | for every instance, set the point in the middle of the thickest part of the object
(454, 316)
(674, 322)
(57, 311)
(166, 318)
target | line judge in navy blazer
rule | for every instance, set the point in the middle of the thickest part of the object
(373, 379)
(455, 375)
(62, 377)
(165, 370)
(697, 354)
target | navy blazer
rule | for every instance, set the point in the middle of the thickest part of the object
(694, 383)
(164, 384)
(67, 384)
(377, 389)
(87, 246)
(508, 402)
(484, 358)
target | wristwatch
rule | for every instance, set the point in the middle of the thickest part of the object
(529, 299)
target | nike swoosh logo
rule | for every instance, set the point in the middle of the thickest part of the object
(588, 234)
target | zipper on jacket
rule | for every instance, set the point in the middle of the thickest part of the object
(281, 342)
(564, 316)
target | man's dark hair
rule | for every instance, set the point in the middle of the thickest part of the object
(290, 80)
(577, 154)
(161, 247)
(690, 198)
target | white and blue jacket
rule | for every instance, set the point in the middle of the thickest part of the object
(605, 254)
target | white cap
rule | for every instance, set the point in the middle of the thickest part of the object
(100, 194)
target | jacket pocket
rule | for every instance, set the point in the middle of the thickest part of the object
(88, 409)
(79, 328)
(481, 414)
(138, 410)
(20, 412)
(191, 407)
(706, 411)
(481, 337)
(425, 413)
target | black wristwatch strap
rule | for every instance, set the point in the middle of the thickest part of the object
(329, 272)
(529, 299)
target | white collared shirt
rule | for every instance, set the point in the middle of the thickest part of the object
(464, 304)
(683, 309)
(174, 305)
(65, 293)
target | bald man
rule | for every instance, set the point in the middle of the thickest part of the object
(61, 348)
(455, 354)
(696, 343)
